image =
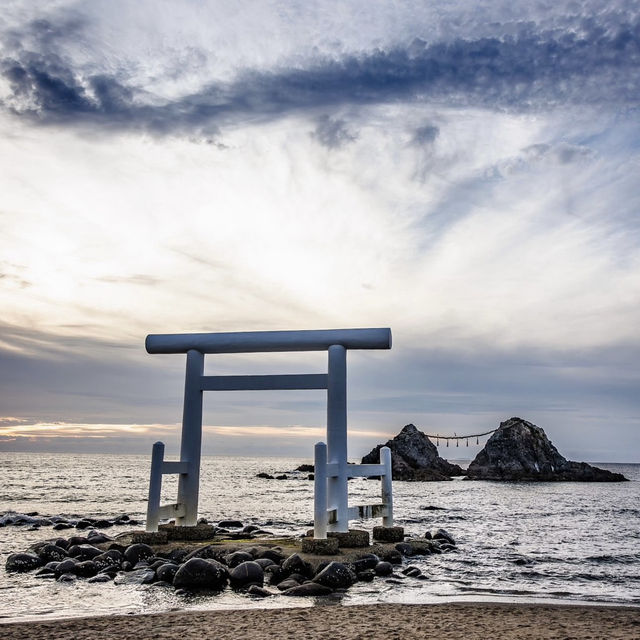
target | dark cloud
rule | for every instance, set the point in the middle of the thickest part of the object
(332, 133)
(425, 135)
(590, 64)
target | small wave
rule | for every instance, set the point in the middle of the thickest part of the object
(613, 559)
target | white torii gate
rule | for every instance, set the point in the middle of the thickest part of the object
(331, 510)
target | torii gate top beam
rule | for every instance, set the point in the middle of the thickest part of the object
(269, 341)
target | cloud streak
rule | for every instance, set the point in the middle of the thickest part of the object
(531, 70)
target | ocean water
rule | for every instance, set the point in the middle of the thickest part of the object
(525, 541)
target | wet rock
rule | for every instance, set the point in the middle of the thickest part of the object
(306, 468)
(21, 562)
(393, 556)
(260, 592)
(101, 577)
(412, 572)
(335, 576)
(231, 524)
(250, 528)
(66, 566)
(245, 574)
(383, 569)
(167, 572)
(265, 562)
(139, 576)
(198, 573)
(266, 476)
(283, 476)
(520, 450)
(76, 541)
(84, 552)
(404, 548)
(86, 569)
(67, 577)
(366, 576)
(414, 457)
(84, 524)
(51, 553)
(238, 557)
(136, 552)
(111, 558)
(272, 554)
(368, 561)
(289, 583)
(60, 526)
(102, 524)
(95, 537)
(295, 564)
(308, 589)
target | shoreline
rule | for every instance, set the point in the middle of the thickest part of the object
(446, 621)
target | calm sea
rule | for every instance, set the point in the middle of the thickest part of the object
(517, 541)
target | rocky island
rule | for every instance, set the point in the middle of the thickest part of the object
(520, 450)
(414, 457)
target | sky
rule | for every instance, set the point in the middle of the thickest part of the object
(466, 173)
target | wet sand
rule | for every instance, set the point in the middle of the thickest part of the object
(367, 622)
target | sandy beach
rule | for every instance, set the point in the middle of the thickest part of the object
(373, 622)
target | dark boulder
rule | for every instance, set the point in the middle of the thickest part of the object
(51, 553)
(306, 468)
(289, 583)
(308, 589)
(86, 569)
(272, 554)
(136, 552)
(443, 534)
(66, 566)
(366, 576)
(383, 569)
(139, 576)
(21, 562)
(414, 457)
(84, 552)
(295, 564)
(101, 577)
(198, 573)
(166, 572)
(236, 558)
(231, 524)
(520, 450)
(112, 558)
(245, 574)
(336, 576)
(266, 476)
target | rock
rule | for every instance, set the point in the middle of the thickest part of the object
(265, 562)
(51, 552)
(320, 547)
(368, 561)
(102, 524)
(166, 572)
(350, 539)
(404, 548)
(198, 573)
(414, 457)
(260, 592)
(111, 558)
(412, 572)
(295, 564)
(139, 576)
(250, 528)
(272, 554)
(66, 566)
(245, 574)
(335, 576)
(136, 552)
(59, 526)
(96, 537)
(282, 477)
(266, 476)
(366, 576)
(67, 577)
(383, 569)
(231, 524)
(84, 524)
(308, 589)
(289, 583)
(21, 562)
(520, 450)
(236, 558)
(101, 577)
(86, 569)
(306, 468)
(393, 556)
(84, 552)
(443, 534)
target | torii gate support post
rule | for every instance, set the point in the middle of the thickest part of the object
(337, 493)
(191, 439)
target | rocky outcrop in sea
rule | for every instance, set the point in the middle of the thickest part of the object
(520, 450)
(414, 457)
